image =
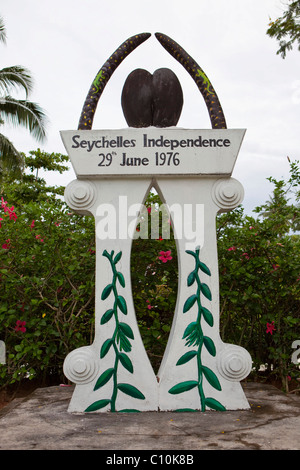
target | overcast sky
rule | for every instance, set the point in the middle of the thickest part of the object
(64, 43)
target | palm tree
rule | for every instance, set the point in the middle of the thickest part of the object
(2, 31)
(17, 112)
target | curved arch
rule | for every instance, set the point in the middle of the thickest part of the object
(203, 83)
(102, 77)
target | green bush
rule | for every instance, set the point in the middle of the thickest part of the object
(47, 264)
(154, 275)
(259, 264)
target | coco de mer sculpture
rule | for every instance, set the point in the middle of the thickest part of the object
(191, 170)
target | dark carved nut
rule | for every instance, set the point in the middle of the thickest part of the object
(152, 100)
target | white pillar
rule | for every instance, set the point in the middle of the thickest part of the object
(2, 353)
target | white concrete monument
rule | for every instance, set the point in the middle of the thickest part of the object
(191, 170)
(2, 353)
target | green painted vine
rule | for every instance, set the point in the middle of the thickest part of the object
(194, 336)
(120, 342)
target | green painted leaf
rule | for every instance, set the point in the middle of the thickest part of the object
(106, 291)
(105, 347)
(122, 304)
(118, 257)
(104, 378)
(191, 253)
(214, 404)
(131, 410)
(211, 378)
(126, 362)
(131, 390)
(186, 357)
(126, 330)
(121, 279)
(191, 278)
(106, 254)
(193, 339)
(204, 268)
(189, 303)
(124, 342)
(184, 410)
(183, 387)
(210, 345)
(97, 405)
(107, 316)
(207, 316)
(205, 291)
(191, 327)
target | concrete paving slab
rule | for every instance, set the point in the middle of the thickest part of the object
(41, 422)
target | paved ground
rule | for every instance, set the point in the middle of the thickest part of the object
(41, 422)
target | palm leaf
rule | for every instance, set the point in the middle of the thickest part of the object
(2, 31)
(10, 159)
(16, 77)
(24, 113)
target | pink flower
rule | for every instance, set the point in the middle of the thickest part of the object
(20, 326)
(165, 256)
(246, 255)
(275, 267)
(149, 306)
(149, 210)
(32, 225)
(3, 204)
(6, 245)
(0, 222)
(232, 248)
(11, 213)
(270, 328)
(10, 210)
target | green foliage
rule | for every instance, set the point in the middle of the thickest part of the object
(259, 268)
(47, 266)
(286, 29)
(154, 280)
